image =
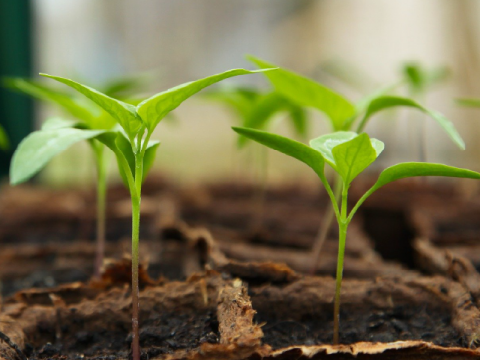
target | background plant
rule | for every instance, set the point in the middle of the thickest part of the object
(41, 146)
(135, 152)
(349, 154)
(257, 109)
(343, 115)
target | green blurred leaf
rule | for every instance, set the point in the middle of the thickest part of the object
(70, 104)
(238, 99)
(38, 148)
(306, 92)
(412, 169)
(469, 102)
(292, 148)
(4, 142)
(386, 102)
(154, 109)
(58, 123)
(124, 113)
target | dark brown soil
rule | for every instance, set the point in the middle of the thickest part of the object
(399, 323)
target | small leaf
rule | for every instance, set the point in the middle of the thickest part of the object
(58, 123)
(240, 99)
(348, 153)
(38, 148)
(325, 144)
(117, 141)
(412, 169)
(70, 104)
(124, 113)
(469, 102)
(287, 146)
(154, 109)
(385, 102)
(4, 142)
(306, 92)
(354, 156)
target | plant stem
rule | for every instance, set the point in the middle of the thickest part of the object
(325, 226)
(342, 229)
(260, 196)
(101, 205)
(136, 201)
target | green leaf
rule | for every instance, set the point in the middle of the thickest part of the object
(469, 102)
(306, 92)
(4, 142)
(261, 111)
(412, 169)
(58, 123)
(154, 109)
(38, 148)
(238, 99)
(124, 113)
(385, 102)
(70, 104)
(348, 153)
(287, 146)
(354, 156)
(299, 120)
(116, 141)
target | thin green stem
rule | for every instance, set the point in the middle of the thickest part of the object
(101, 206)
(342, 229)
(136, 202)
(330, 194)
(360, 202)
(325, 225)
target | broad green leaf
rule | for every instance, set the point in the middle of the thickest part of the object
(154, 109)
(58, 123)
(292, 148)
(306, 92)
(70, 104)
(354, 156)
(124, 113)
(325, 144)
(38, 148)
(4, 142)
(412, 169)
(469, 102)
(385, 102)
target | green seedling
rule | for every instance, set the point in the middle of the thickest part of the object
(57, 135)
(256, 109)
(420, 81)
(343, 115)
(349, 154)
(131, 145)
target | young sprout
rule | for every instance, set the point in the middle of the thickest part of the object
(256, 109)
(57, 135)
(343, 115)
(349, 154)
(419, 81)
(133, 149)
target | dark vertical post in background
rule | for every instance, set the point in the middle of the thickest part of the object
(16, 111)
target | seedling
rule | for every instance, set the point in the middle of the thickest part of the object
(131, 145)
(349, 154)
(56, 135)
(419, 81)
(343, 115)
(256, 109)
